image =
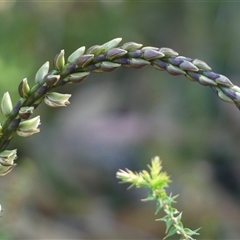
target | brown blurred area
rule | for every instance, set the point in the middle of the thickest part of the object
(64, 186)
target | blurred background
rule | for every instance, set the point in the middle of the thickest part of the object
(64, 186)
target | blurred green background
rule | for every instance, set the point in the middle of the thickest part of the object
(64, 186)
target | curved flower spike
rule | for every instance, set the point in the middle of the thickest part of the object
(29, 127)
(55, 99)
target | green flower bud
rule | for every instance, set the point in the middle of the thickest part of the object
(138, 63)
(24, 88)
(59, 61)
(168, 52)
(41, 73)
(6, 104)
(111, 44)
(201, 65)
(54, 99)
(52, 80)
(236, 88)
(25, 112)
(84, 60)
(76, 54)
(223, 80)
(131, 46)
(95, 50)
(7, 158)
(115, 53)
(29, 127)
(223, 96)
(78, 77)
(206, 81)
(109, 66)
(175, 70)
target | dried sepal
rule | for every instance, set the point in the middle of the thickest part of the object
(41, 73)
(25, 112)
(54, 99)
(6, 104)
(7, 158)
(23, 88)
(29, 127)
(76, 54)
(78, 77)
(59, 61)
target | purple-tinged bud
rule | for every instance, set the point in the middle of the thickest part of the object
(222, 80)
(138, 63)
(84, 60)
(109, 66)
(188, 66)
(52, 80)
(115, 53)
(206, 81)
(78, 77)
(175, 70)
(159, 65)
(150, 54)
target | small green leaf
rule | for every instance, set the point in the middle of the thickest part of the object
(171, 232)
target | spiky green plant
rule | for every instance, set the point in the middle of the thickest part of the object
(99, 58)
(156, 181)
